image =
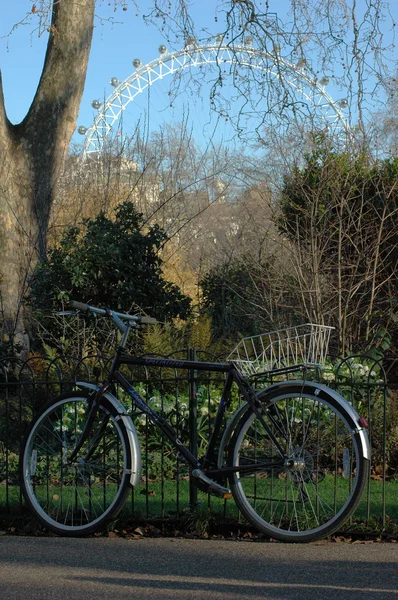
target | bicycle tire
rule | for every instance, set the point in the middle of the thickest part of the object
(77, 499)
(320, 483)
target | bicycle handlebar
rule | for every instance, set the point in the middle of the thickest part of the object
(79, 305)
(117, 317)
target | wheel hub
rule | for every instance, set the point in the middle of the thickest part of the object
(300, 465)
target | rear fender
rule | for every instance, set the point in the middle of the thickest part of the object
(329, 396)
(299, 387)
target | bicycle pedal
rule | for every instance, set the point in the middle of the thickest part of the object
(210, 486)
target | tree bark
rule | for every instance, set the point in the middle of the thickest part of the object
(32, 153)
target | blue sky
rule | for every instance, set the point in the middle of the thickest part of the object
(114, 47)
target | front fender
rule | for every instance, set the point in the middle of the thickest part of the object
(135, 449)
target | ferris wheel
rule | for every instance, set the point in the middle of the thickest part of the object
(300, 89)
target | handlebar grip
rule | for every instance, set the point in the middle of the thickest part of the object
(148, 320)
(79, 305)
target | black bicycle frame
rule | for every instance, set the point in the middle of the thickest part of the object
(158, 420)
(207, 461)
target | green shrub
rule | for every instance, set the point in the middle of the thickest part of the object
(111, 263)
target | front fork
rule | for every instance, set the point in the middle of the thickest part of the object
(97, 397)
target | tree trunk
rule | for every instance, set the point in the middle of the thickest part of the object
(32, 153)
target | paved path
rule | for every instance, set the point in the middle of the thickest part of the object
(179, 569)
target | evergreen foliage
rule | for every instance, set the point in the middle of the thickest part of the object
(109, 263)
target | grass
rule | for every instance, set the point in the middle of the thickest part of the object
(170, 501)
(150, 502)
(155, 499)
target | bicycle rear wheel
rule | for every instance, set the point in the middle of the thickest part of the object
(319, 481)
(75, 499)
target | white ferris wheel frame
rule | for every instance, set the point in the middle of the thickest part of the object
(192, 55)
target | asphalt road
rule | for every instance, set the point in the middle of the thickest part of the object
(180, 569)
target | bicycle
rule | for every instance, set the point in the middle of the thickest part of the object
(294, 456)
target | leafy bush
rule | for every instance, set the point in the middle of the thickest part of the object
(9, 462)
(109, 263)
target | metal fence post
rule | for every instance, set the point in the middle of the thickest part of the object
(193, 424)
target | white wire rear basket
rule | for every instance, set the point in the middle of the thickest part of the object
(295, 346)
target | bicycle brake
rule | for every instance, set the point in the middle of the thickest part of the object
(210, 486)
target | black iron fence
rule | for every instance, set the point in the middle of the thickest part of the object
(189, 400)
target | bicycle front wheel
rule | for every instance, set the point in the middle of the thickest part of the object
(318, 473)
(75, 498)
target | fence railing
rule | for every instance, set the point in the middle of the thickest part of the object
(189, 400)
